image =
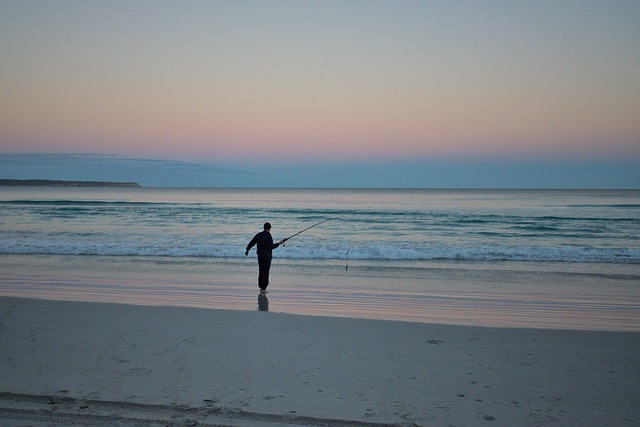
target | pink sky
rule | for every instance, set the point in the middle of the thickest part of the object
(333, 81)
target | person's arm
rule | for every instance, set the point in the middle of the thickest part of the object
(250, 245)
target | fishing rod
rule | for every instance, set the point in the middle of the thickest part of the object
(302, 231)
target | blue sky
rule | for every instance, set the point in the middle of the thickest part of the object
(464, 93)
(437, 173)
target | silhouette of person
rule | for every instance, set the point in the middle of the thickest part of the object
(265, 245)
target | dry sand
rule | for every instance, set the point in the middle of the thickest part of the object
(70, 363)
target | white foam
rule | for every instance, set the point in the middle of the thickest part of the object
(173, 247)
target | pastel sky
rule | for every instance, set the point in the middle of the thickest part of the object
(243, 82)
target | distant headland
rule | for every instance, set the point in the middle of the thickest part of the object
(57, 183)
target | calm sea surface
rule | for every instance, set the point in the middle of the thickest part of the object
(558, 259)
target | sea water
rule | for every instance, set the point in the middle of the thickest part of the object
(535, 258)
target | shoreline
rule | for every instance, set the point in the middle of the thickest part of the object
(102, 363)
(494, 295)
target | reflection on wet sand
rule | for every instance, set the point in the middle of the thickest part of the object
(263, 302)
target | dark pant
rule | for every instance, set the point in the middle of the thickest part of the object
(264, 265)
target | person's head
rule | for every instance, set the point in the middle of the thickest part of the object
(267, 226)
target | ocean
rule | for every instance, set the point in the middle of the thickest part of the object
(565, 259)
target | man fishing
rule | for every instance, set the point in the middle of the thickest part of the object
(264, 248)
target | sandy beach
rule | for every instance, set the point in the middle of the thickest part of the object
(77, 363)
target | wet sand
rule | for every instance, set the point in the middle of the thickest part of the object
(493, 294)
(67, 363)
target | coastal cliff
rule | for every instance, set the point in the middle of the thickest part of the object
(57, 183)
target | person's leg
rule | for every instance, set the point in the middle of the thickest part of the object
(264, 265)
(260, 271)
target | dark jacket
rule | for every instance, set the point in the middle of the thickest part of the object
(264, 242)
